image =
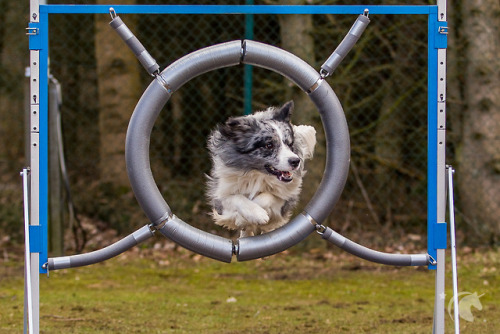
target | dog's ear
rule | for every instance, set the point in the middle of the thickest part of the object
(284, 113)
(226, 129)
(234, 126)
(305, 140)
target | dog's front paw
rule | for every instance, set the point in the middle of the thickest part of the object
(255, 215)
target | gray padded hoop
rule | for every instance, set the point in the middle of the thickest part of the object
(218, 56)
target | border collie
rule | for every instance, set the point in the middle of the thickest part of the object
(257, 169)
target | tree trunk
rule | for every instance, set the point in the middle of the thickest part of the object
(296, 38)
(119, 91)
(56, 210)
(390, 134)
(479, 156)
(389, 141)
(12, 45)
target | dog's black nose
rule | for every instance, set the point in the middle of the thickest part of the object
(294, 162)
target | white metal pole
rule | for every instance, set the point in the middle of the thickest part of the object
(456, 316)
(27, 262)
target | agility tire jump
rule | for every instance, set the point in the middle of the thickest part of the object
(212, 58)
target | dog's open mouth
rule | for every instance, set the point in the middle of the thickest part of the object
(284, 176)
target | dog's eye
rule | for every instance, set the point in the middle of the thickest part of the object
(269, 146)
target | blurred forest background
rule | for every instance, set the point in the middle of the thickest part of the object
(382, 85)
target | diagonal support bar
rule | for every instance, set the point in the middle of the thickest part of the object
(373, 255)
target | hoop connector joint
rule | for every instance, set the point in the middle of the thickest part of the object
(45, 266)
(320, 229)
(324, 73)
(156, 227)
(112, 13)
(315, 85)
(163, 82)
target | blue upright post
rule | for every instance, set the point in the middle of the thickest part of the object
(435, 162)
(436, 183)
(38, 43)
(44, 139)
(431, 140)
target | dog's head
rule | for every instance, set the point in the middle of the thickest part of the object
(263, 141)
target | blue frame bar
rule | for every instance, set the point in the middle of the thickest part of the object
(237, 9)
(436, 236)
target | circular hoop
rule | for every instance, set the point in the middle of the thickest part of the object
(214, 57)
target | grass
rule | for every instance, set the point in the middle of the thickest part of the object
(174, 291)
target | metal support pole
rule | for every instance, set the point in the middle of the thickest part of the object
(37, 187)
(34, 257)
(440, 43)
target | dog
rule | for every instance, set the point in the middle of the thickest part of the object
(257, 169)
